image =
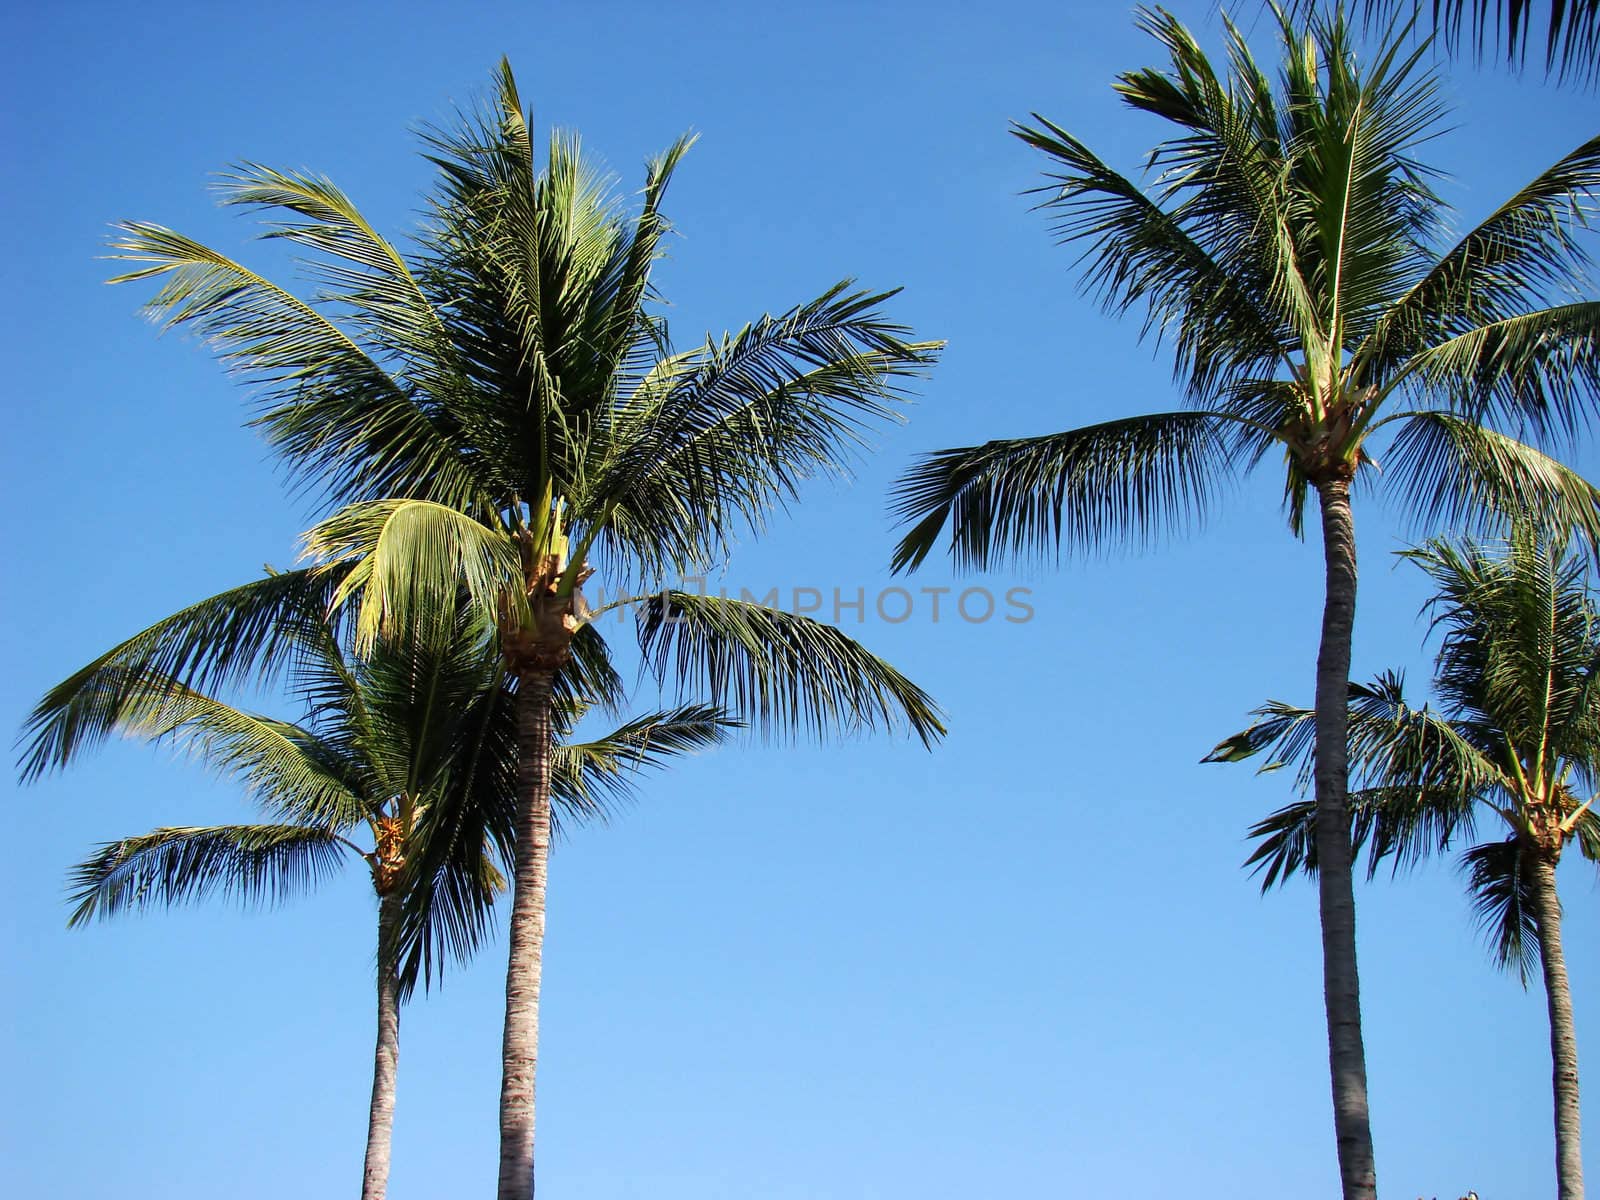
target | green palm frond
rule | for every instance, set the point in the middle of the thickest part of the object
(251, 863)
(331, 408)
(1511, 263)
(1141, 254)
(714, 437)
(407, 560)
(1503, 903)
(287, 769)
(1568, 43)
(780, 673)
(589, 778)
(1454, 473)
(1132, 479)
(1531, 371)
(244, 635)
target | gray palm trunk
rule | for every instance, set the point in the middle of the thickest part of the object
(520, 1050)
(386, 1059)
(1341, 989)
(1563, 1034)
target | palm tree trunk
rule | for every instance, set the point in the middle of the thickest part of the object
(386, 1060)
(1341, 989)
(520, 1050)
(1563, 1035)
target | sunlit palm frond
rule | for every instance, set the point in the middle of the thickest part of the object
(407, 561)
(334, 411)
(1453, 473)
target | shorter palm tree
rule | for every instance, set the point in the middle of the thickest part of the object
(407, 762)
(1518, 737)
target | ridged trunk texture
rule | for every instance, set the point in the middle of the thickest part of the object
(520, 1050)
(1563, 1035)
(386, 1059)
(1341, 989)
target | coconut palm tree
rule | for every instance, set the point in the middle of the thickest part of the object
(1290, 250)
(1517, 742)
(406, 761)
(502, 411)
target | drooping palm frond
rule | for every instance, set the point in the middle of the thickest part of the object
(1567, 38)
(1531, 372)
(588, 779)
(285, 768)
(407, 561)
(252, 863)
(1452, 472)
(245, 635)
(1135, 478)
(781, 673)
(1502, 901)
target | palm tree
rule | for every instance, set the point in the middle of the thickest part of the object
(1290, 252)
(1517, 741)
(406, 762)
(502, 411)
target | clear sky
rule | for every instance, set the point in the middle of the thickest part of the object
(1026, 964)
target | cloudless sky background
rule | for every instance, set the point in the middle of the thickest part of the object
(1026, 964)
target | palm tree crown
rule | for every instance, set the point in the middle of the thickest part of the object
(1291, 253)
(501, 412)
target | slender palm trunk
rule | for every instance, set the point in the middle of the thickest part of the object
(386, 1060)
(1563, 1035)
(1341, 990)
(520, 1050)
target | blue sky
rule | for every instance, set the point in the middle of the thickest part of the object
(1026, 964)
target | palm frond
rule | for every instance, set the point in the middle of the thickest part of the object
(1143, 255)
(325, 402)
(1127, 480)
(714, 437)
(780, 673)
(589, 778)
(408, 560)
(1519, 256)
(251, 863)
(1536, 373)
(1454, 473)
(1503, 903)
(247, 634)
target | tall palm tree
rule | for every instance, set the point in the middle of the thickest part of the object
(502, 411)
(1290, 251)
(406, 761)
(1517, 741)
